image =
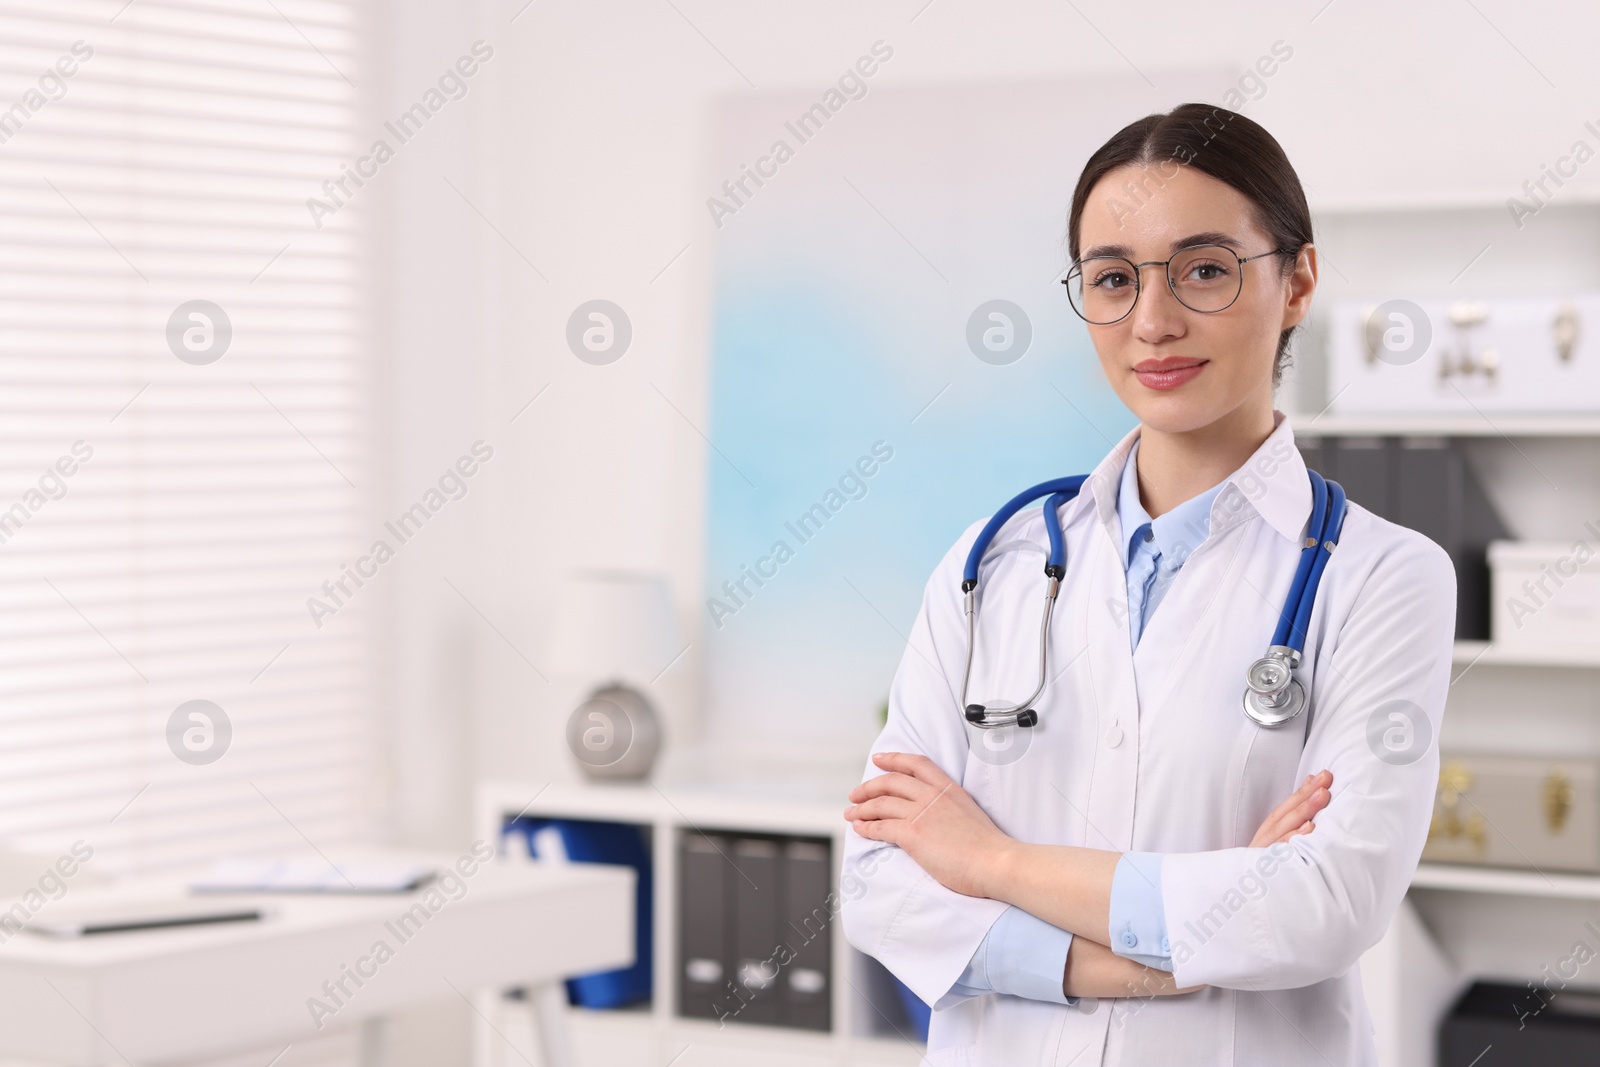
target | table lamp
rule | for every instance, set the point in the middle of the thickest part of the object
(616, 631)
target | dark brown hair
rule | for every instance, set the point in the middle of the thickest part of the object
(1230, 148)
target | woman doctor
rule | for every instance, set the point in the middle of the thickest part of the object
(1148, 876)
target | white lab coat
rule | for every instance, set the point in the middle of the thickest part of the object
(1151, 751)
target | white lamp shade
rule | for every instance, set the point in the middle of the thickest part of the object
(614, 625)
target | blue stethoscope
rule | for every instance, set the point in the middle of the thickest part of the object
(1272, 695)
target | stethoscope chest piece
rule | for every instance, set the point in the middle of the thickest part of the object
(1272, 695)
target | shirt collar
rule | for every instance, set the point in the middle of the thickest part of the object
(1175, 532)
(1272, 483)
(1129, 510)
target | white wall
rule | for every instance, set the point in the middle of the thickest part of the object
(582, 142)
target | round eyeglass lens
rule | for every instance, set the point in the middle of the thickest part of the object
(1204, 278)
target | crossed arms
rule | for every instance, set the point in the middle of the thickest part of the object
(918, 807)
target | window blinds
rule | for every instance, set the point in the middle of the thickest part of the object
(182, 431)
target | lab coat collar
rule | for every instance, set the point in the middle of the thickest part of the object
(1275, 482)
(1104, 486)
(1272, 483)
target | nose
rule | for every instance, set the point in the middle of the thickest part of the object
(1157, 315)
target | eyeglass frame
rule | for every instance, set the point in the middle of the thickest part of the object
(1166, 268)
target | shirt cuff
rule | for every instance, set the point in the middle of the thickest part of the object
(1021, 955)
(1138, 918)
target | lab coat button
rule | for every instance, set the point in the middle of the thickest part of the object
(1166, 949)
(1114, 736)
(1129, 938)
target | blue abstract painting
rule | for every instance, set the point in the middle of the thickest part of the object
(893, 357)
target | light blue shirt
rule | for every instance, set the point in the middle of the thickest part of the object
(1021, 954)
(1156, 548)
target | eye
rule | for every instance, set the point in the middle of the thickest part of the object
(1204, 271)
(1111, 279)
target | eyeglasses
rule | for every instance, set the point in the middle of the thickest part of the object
(1204, 278)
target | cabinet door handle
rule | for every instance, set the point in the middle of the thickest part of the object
(1557, 799)
(1566, 330)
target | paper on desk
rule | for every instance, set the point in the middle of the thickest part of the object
(309, 876)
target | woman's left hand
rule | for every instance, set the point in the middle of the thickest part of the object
(920, 808)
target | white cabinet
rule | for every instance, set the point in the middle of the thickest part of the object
(1444, 355)
(864, 1009)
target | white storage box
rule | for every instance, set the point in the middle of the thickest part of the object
(1441, 355)
(1545, 593)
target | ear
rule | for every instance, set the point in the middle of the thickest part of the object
(1302, 286)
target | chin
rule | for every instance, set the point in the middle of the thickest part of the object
(1174, 412)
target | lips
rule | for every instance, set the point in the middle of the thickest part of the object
(1164, 374)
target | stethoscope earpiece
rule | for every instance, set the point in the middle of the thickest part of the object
(978, 715)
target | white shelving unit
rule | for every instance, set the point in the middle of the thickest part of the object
(1507, 882)
(864, 1009)
(1491, 424)
(1461, 923)
(1576, 656)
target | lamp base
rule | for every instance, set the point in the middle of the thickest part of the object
(615, 734)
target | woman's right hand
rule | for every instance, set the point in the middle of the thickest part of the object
(1294, 815)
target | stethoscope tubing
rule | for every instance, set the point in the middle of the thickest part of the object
(1288, 640)
(1067, 488)
(1325, 543)
(1308, 559)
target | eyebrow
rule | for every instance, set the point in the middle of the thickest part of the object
(1208, 237)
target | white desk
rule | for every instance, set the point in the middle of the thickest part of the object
(183, 994)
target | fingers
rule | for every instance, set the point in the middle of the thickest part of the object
(1294, 815)
(1302, 812)
(894, 784)
(1304, 828)
(915, 764)
(883, 807)
(1311, 783)
(1283, 817)
(907, 770)
(878, 830)
(1297, 820)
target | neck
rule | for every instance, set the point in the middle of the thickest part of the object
(1176, 466)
